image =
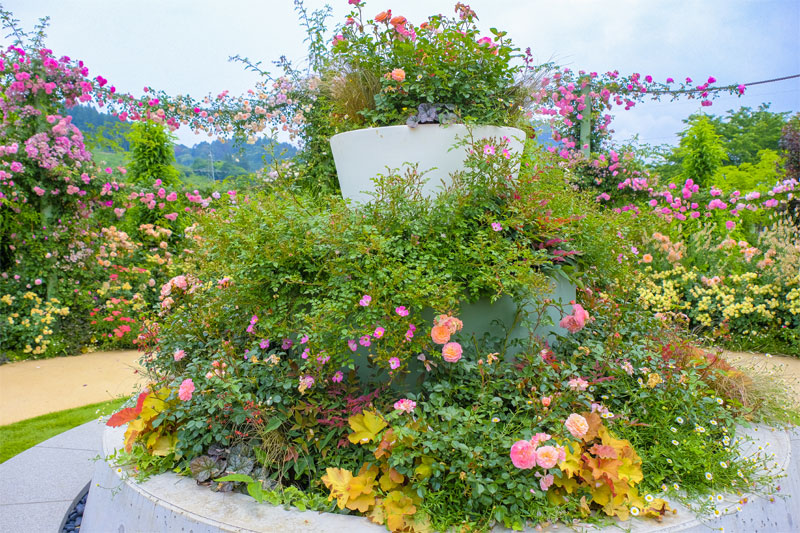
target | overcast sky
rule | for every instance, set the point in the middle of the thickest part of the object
(182, 46)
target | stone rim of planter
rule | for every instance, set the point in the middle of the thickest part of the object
(176, 502)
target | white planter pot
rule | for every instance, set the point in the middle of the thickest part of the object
(361, 155)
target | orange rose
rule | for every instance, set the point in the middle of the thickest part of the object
(399, 20)
(440, 334)
(383, 15)
(398, 74)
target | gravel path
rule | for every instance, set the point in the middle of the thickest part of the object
(33, 388)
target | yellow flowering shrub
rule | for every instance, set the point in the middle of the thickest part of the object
(748, 291)
(28, 322)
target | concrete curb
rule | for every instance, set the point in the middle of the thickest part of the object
(40, 486)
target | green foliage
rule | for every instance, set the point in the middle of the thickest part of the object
(745, 132)
(757, 176)
(152, 155)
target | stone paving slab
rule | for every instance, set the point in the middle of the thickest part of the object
(39, 486)
(32, 517)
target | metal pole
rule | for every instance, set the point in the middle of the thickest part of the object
(586, 122)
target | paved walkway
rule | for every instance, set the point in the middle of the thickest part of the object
(41, 485)
(33, 388)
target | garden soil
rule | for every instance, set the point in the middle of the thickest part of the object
(33, 388)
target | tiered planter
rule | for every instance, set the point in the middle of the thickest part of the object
(361, 155)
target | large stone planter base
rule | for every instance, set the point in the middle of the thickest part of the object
(170, 503)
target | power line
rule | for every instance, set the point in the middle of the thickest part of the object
(772, 80)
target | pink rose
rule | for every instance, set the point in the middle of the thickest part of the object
(523, 454)
(539, 438)
(405, 405)
(546, 401)
(578, 384)
(576, 321)
(186, 389)
(178, 355)
(546, 482)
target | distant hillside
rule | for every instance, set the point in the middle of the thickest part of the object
(199, 165)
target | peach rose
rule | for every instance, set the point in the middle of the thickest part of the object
(452, 323)
(451, 352)
(577, 425)
(383, 15)
(647, 258)
(547, 456)
(440, 334)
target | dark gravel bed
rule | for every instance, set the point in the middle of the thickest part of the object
(75, 516)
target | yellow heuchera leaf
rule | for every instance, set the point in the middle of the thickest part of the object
(154, 404)
(390, 479)
(602, 494)
(366, 427)
(377, 514)
(337, 480)
(356, 493)
(397, 506)
(134, 429)
(419, 522)
(569, 484)
(424, 469)
(161, 445)
(361, 489)
(630, 464)
(361, 503)
(572, 463)
(585, 509)
(386, 444)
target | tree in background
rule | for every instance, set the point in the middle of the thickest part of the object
(746, 132)
(747, 137)
(152, 155)
(701, 151)
(789, 145)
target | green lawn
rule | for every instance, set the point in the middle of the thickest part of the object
(19, 436)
